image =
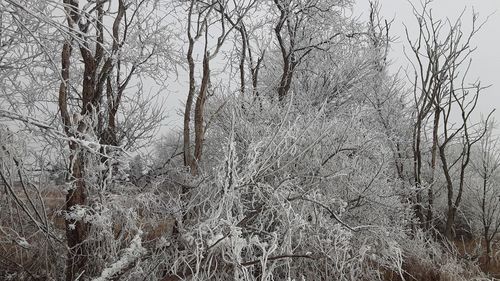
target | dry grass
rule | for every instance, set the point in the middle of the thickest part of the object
(415, 270)
(469, 248)
(24, 263)
(419, 270)
(54, 200)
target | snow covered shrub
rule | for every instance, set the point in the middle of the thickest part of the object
(427, 259)
(298, 197)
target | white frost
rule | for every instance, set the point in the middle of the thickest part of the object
(214, 239)
(130, 255)
(23, 243)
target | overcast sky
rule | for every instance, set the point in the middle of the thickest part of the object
(486, 59)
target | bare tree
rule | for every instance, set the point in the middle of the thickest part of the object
(90, 110)
(201, 18)
(429, 86)
(440, 52)
(486, 164)
(303, 27)
(386, 98)
(248, 55)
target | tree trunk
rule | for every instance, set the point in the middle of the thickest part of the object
(285, 82)
(488, 248)
(76, 231)
(199, 128)
(486, 225)
(449, 231)
(188, 158)
(430, 192)
(417, 158)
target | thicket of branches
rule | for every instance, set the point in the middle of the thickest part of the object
(300, 155)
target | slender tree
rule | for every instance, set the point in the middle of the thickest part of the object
(301, 28)
(440, 54)
(486, 195)
(202, 17)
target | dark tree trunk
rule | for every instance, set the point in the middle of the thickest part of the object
(199, 127)
(188, 158)
(76, 231)
(430, 192)
(449, 231)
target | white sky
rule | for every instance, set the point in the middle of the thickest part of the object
(486, 59)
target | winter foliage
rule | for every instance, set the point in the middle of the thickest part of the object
(301, 156)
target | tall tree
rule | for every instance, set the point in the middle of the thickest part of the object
(201, 19)
(486, 195)
(441, 53)
(89, 101)
(304, 26)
